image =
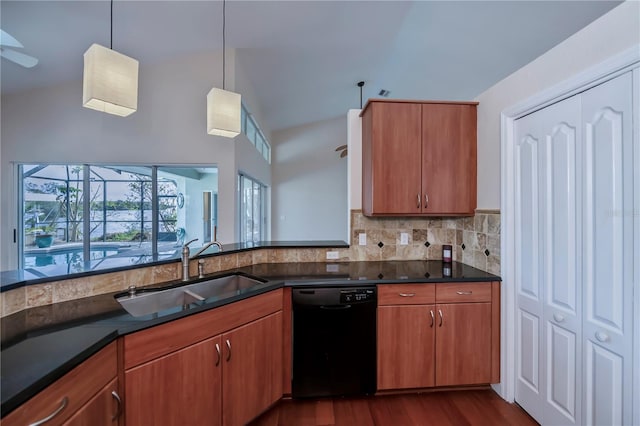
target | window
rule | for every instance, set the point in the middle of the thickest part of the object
(73, 214)
(252, 209)
(251, 129)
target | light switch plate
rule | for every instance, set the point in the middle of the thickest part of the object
(362, 239)
(332, 255)
(404, 238)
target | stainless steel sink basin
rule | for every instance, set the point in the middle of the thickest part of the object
(150, 301)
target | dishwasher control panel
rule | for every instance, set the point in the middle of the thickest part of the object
(357, 295)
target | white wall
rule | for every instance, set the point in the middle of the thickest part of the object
(612, 33)
(50, 125)
(310, 182)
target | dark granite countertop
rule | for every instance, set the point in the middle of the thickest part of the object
(40, 345)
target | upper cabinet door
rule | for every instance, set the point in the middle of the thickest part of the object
(391, 151)
(449, 159)
(418, 158)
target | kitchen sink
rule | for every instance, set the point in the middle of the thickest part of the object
(150, 301)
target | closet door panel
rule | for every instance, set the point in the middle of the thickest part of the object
(529, 374)
(608, 257)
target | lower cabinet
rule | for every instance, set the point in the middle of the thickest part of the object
(226, 379)
(87, 395)
(182, 388)
(252, 369)
(423, 344)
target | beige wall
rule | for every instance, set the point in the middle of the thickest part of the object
(612, 33)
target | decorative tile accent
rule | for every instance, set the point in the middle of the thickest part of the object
(427, 244)
(487, 253)
(380, 244)
(463, 246)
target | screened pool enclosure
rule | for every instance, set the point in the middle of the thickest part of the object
(82, 213)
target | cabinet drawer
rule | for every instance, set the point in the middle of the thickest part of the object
(69, 393)
(463, 292)
(406, 294)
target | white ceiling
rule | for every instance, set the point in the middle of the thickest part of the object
(305, 57)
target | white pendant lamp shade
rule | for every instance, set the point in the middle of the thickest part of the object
(110, 82)
(223, 113)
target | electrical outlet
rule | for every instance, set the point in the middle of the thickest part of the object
(332, 255)
(404, 238)
(362, 239)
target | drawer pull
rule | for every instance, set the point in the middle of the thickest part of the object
(558, 317)
(406, 294)
(464, 293)
(218, 352)
(63, 405)
(229, 350)
(433, 318)
(418, 205)
(440, 313)
(115, 396)
(602, 337)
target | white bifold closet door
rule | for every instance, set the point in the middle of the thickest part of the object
(574, 270)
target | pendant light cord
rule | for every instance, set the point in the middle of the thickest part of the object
(111, 33)
(224, 20)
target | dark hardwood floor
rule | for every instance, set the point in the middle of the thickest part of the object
(459, 408)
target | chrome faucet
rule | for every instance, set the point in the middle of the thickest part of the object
(206, 246)
(185, 260)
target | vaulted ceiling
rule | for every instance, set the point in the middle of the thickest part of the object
(305, 57)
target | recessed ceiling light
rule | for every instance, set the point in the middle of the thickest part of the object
(384, 93)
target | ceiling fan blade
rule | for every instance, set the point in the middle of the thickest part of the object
(341, 147)
(7, 39)
(19, 58)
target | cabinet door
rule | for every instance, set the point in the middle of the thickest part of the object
(391, 149)
(104, 409)
(449, 159)
(405, 346)
(182, 388)
(463, 344)
(252, 369)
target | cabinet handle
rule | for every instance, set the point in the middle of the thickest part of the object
(464, 292)
(426, 200)
(115, 396)
(418, 205)
(433, 318)
(63, 405)
(440, 313)
(558, 317)
(603, 337)
(228, 350)
(406, 294)
(218, 352)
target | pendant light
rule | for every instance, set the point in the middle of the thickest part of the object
(223, 107)
(110, 80)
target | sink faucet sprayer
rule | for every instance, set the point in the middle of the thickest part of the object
(186, 258)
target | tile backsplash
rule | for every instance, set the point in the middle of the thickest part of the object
(475, 241)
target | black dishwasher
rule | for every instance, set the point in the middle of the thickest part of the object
(334, 341)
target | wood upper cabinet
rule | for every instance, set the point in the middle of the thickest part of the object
(83, 396)
(438, 335)
(252, 369)
(419, 158)
(182, 388)
(449, 159)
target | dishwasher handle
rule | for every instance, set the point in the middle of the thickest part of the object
(335, 307)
